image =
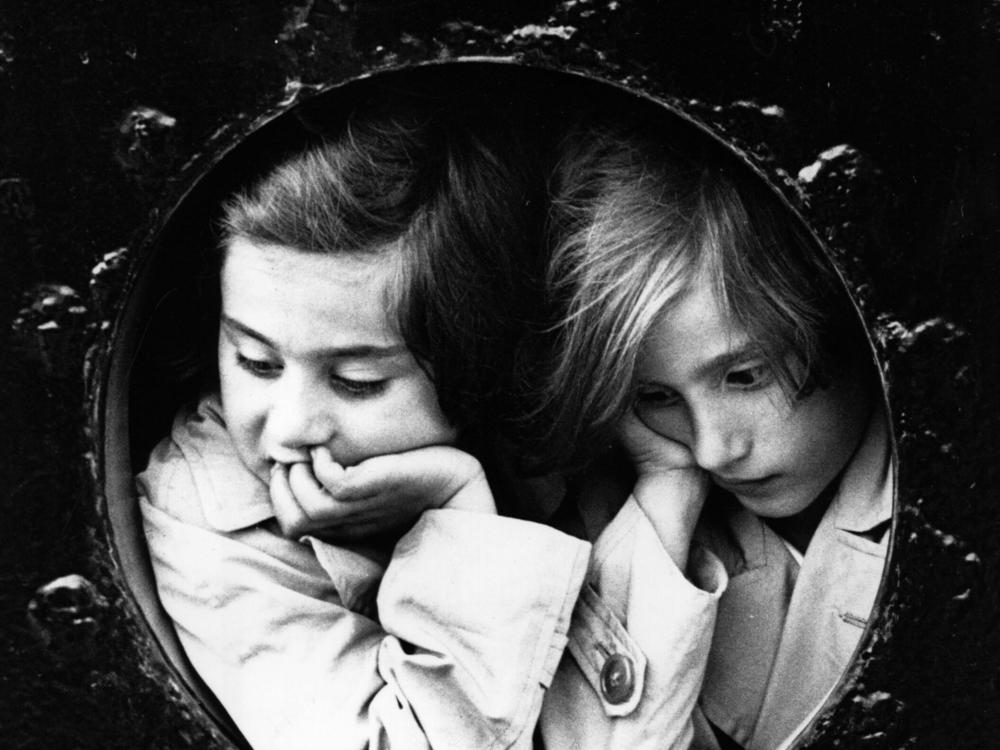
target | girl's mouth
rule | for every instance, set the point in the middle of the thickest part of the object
(750, 487)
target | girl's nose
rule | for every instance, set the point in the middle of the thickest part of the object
(297, 419)
(719, 441)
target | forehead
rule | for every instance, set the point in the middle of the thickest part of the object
(692, 334)
(698, 319)
(307, 300)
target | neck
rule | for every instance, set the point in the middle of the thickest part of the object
(798, 530)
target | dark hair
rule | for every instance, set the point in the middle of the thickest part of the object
(633, 221)
(443, 187)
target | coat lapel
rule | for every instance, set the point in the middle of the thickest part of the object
(784, 636)
(749, 622)
(836, 591)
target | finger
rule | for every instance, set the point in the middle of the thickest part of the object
(633, 434)
(630, 427)
(436, 472)
(328, 472)
(637, 438)
(379, 475)
(287, 511)
(317, 505)
(360, 519)
(648, 447)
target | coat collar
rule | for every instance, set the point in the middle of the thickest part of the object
(861, 505)
(864, 499)
(232, 496)
(760, 615)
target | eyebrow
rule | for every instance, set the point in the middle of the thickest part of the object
(726, 360)
(358, 351)
(718, 363)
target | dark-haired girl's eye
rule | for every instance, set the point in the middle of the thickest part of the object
(750, 376)
(354, 388)
(259, 368)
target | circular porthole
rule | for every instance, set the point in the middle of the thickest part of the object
(163, 348)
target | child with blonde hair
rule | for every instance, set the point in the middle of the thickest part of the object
(701, 333)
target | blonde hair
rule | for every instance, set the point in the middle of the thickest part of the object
(632, 222)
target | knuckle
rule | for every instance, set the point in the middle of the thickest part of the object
(291, 526)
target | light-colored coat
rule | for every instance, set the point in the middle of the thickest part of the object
(464, 639)
(785, 631)
(784, 635)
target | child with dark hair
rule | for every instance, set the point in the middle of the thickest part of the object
(321, 529)
(702, 332)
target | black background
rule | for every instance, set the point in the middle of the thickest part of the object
(910, 211)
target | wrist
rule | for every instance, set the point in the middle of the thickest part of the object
(473, 495)
(672, 501)
(688, 484)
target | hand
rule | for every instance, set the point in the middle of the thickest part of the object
(670, 486)
(383, 493)
(651, 452)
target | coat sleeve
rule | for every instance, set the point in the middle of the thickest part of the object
(467, 637)
(639, 643)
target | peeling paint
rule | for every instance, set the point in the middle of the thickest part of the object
(51, 327)
(67, 616)
(809, 173)
(534, 31)
(315, 40)
(783, 19)
(106, 279)
(146, 146)
(897, 339)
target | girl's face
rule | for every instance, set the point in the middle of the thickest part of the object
(309, 357)
(701, 382)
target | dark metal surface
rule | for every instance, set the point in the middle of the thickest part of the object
(879, 120)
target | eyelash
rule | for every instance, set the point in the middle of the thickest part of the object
(358, 388)
(260, 368)
(266, 370)
(660, 398)
(760, 374)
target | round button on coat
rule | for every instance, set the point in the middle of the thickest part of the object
(617, 679)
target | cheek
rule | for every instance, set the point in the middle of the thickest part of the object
(238, 395)
(400, 421)
(242, 402)
(423, 412)
(231, 385)
(419, 420)
(242, 421)
(782, 438)
(817, 444)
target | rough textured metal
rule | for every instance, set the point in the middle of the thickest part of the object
(67, 616)
(52, 326)
(878, 123)
(146, 146)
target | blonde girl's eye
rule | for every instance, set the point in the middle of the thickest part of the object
(750, 376)
(259, 368)
(656, 397)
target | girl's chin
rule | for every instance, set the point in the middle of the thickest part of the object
(777, 505)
